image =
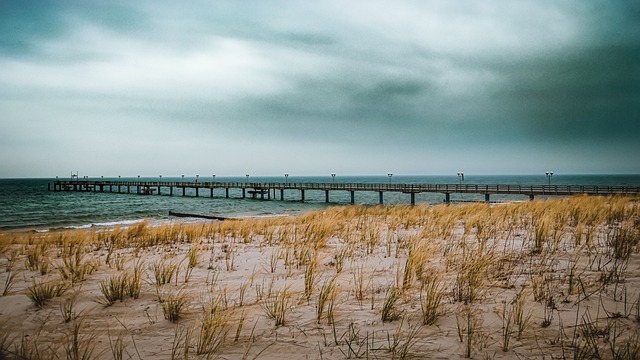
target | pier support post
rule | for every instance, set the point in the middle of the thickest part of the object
(211, 192)
(197, 192)
(302, 195)
(48, 186)
(486, 198)
(281, 194)
(244, 193)
(353, 197)
(413, 199)
(326, 196)
(381, 198)
(159, 191)
(447, 198)
(261, 194)
(531, 197)
(183, 190)
(226, 192)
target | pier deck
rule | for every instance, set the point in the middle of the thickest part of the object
(262, 189)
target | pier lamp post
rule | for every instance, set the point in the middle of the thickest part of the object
(138, 177)
(214, 177)
(197, 177)
(286, 178)
(389, 175)
(333, 177)
(160, 177)
(247, 178)
(549, 175)
(461, 177)
(182, 177)
(118, 177)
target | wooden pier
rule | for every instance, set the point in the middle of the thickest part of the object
(265, 190)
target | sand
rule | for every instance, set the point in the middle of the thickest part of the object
(577, 298)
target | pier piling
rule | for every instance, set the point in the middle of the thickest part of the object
(530, 191)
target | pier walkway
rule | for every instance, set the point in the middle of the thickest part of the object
(265, 190)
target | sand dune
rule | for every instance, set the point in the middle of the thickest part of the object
(542, 279)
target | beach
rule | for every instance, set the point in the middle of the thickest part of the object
(553, 278)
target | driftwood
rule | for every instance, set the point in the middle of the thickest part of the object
(212, 217)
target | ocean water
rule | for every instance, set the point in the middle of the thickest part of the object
(27, 204)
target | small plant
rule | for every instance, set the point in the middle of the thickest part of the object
(357, 345)
(181, 339)
(36, 256)
(173, 305)
(133, 281)
(122, 285)
(507, 323)
(521, 316)
(68, 310)
(467, 324)
(163, 273)
(431, 298)
(79, 347)
(389, 309)
(73, 266)
(358, 280)
(327, 292)
(276, 306)
(214, 328)
(41, 293)
(117, 347)
(192, 256)
(401, 341)
(114, 288)
(8, 283)
(12, 258)
(309, 277)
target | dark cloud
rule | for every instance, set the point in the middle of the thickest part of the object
(463, 80)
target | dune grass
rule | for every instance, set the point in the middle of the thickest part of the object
(551, 276)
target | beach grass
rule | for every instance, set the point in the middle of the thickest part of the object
(545, 278)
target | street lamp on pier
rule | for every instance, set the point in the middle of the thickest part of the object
(389, 175)
(247, 175)
(549, 175)
(333, 177)
(461, 177)
(214, 178)
(286, 178)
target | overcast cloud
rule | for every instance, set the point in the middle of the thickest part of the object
(359, 87)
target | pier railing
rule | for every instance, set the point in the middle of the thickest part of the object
(530, 190)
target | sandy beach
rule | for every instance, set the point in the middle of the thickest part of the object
(546, 279)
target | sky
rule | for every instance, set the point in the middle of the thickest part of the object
(109, 88)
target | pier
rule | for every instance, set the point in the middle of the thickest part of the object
(269, 190)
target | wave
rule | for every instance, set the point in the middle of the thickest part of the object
(99, 224)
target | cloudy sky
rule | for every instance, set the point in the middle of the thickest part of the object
(313, 87)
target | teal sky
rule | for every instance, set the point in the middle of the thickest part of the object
(309, 88)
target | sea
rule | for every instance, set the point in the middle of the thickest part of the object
(26, 204)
